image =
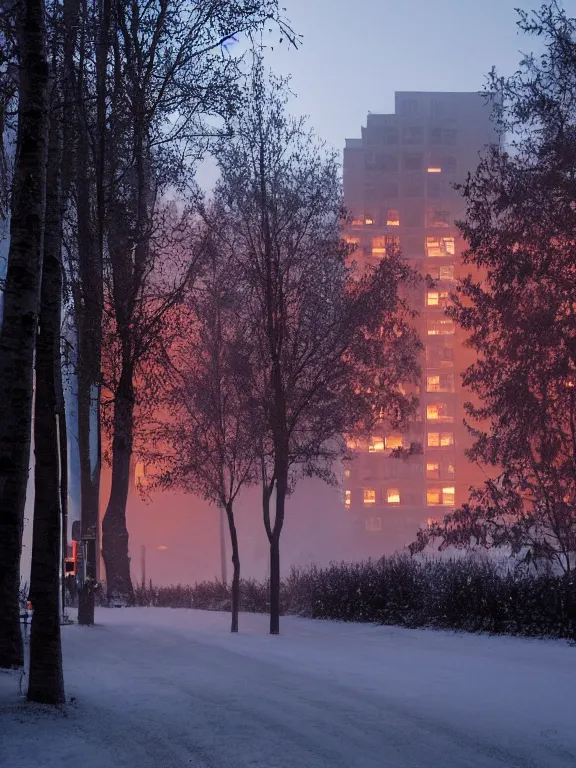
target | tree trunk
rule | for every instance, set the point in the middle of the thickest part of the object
(88, 309)
(275, 585)
(281, 491)
(63, 448)
(114, 530)
(46, 682)
(236, 568)
(89, 452)
(20, 318)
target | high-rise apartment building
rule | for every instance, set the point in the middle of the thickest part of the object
(398, 187)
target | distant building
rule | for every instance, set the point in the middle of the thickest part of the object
(398, 188)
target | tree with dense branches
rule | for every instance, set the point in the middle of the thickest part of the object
(326, 345)
(521, 228)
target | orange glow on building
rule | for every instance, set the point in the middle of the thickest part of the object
(400, 174)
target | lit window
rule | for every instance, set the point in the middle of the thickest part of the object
(374, 524)
(393, 218)
(450, 470)
(448, 496)
(437, 298)
(433, 496)
(376, 445)
(433, 439)
(140, 474)
(347, 473)
(439, 247)
(347, 498)
(355, 241)
(369, 496)
(441, 382)
(440, 326)
(368, 220)
(378, 246)
(438, 412)
(357, 222)
(432, 470)
(446, 439)
(394, 441)
(393, 496)
(434, 170)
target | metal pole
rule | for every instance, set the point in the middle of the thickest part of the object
(223, 547)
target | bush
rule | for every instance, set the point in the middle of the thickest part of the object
(463, 594)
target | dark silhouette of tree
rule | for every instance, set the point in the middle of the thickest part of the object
(326, 345)
(521, 314)
(206, 439)
(21, 308)
(170, 70)
(46, 680)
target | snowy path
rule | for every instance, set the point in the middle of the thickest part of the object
(161, 688)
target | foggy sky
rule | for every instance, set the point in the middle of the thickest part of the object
(354, 55)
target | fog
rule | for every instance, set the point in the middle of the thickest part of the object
(181, 534)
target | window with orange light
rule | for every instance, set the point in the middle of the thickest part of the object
(446, 439)
(347, 473)
(393, 218)
(393, 496)
(432, 470)
(140, 474)
(438, 412)
(347, 498)
(368, 220)
(440, 439)
(433, 496)
(354, 241)
(394, 441)
(357, 222)
(378, 246)
(376, 445)
(437, 298)
(448, 496)
(439, 247)
(369, 496)
(443, 382)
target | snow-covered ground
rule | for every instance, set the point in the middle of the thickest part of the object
(162, 688)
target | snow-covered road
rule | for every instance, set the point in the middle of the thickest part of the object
(161, 688)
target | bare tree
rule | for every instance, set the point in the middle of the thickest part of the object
(21, 307)
(326, 346)
(170, 68)
(207, 445)
(46, 680)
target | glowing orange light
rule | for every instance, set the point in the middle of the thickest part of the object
(162, 547)
(434, 170)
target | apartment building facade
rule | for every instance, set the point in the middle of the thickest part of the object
(398, 188)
